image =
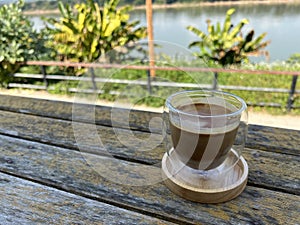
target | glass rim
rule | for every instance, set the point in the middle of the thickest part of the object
(243, 107)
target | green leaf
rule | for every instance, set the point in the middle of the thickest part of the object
(238, 28)
(227, 22)
(62, 9)
(196, 31)
(81, 20)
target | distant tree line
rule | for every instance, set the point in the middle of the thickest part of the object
(54, 4)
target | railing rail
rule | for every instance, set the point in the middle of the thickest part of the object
(165, 68)
(45, 77)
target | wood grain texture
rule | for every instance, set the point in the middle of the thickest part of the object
(88, 113)
(259, 137)
(68, 170)
(273, 139)
(271, 197)
(265, 168)
(61, 133)
(24, 202)
(273, 170)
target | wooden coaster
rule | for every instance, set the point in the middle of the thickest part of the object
(207, 189)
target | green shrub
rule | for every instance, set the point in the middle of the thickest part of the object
(87, 32)
(18, 39)
(225, 45)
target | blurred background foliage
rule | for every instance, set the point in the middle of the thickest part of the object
(79, 37)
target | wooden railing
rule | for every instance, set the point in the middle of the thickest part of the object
(150, 83)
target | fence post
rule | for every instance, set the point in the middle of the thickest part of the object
(215, 81)
(93, 78)
(149, 82)
(43, 69)
(292, 93)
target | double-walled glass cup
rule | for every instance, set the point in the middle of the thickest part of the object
(205, 131)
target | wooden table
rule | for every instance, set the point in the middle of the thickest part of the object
(53, 172)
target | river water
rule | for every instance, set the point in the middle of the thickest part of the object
(281, 22)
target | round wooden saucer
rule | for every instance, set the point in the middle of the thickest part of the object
(215, 188)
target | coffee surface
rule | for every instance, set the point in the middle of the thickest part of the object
(203, 150)
(203, 109)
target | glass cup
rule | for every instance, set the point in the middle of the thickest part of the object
(205, 131)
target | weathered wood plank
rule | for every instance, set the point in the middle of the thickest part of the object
(60, 133)
(35, 106)
(100, 115)
(274, 171)
(261, 137)
(25, 202)
(274, 139)
(48, 130)
(68, 170)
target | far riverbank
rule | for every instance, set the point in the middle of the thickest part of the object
(183, 5)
